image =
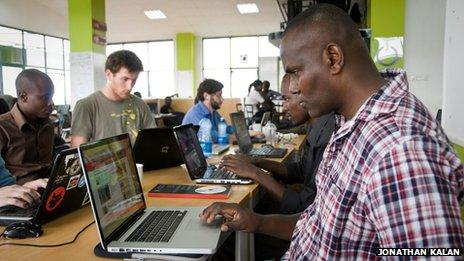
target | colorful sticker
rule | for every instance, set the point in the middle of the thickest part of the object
(73, 181)
(86, 199)
(55, 198)
(81, 182)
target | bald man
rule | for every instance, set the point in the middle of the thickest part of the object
(389, 177)
(26, 133)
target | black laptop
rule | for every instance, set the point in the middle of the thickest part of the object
(65, 192)
(244, 141)
(157, 149)
(197, 167)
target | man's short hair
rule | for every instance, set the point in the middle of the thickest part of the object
(28, 76)
(209, 86)
(123, 58)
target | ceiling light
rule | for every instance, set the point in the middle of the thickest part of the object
(155, 14)
(248, 8)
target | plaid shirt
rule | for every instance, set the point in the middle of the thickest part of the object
(389, 178)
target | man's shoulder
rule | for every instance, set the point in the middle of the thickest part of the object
(91, 99)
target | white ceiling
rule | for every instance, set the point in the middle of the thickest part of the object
(127, 22)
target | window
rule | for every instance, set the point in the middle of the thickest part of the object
(236, 62)
(42, 52)
(157, 79)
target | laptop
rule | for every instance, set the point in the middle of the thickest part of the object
(199, 171)
(217, 148)
(265, 119)
(244, 140)
(156, 148)
(124, 223)
(64, 193)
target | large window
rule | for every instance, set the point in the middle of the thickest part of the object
(42, 52)
(235, 61)
(157, 79)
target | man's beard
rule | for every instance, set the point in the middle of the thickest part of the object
(215, 105)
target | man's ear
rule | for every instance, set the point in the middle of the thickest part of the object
(22, 96)
(333, 56)
(108, 74)
(205, 96)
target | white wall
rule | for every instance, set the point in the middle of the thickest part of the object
(55, 24)
(423, 50)
(453, 92)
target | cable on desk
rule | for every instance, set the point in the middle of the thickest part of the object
(54, 245)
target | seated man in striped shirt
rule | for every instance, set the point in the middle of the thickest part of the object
(389, 177)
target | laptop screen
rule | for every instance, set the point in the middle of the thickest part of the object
(190, 147)
(112, 178)
(241, 131)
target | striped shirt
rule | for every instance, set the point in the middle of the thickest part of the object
(389, 178)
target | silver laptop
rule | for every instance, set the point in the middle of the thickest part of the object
(219, 148)
(197, 167)
(124, 223)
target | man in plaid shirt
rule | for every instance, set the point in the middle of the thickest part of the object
(389, 177)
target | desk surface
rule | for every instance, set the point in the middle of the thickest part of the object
(64, 229)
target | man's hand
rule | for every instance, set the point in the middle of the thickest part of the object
(236, 217)
(242, 158)
(20, 196)
(36, 184)
(240, 166)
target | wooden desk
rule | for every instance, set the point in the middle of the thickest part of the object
(65, 228)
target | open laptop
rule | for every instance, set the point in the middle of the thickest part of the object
(123, 221)
(156, 148)
(244, 140)
(65, 192)
(197, 167)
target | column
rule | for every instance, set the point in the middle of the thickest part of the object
(87, 35)
(386, 19)
(185, 64)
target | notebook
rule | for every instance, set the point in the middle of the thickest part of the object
(244, 140)
(124, 223)
(65, 192)
(199, 171)
(157, 149)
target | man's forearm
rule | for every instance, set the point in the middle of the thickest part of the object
(276, 168)
(270, 184)
(280, 226)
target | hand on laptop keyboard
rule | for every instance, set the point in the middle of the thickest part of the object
(20, 196)
(240, 167)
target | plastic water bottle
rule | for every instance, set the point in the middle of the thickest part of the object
(270, 133)
(223, 138)
(204, 136)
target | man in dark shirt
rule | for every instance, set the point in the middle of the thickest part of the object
(26, 133)
(303, 171)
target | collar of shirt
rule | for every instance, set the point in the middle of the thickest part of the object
(21, 121)
(204, 110)
(382, 102)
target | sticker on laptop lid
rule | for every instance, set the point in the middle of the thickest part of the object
(73, 182)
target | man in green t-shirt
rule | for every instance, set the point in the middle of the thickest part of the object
(113, 110)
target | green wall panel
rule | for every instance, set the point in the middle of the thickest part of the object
(386, 19)
(81, 13)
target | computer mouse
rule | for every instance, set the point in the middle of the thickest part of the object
(23, 229)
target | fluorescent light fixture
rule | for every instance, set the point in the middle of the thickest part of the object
(155, 14)
(249, 8)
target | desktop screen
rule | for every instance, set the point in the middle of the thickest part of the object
(114, 185)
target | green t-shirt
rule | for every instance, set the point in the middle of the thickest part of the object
(96, 117)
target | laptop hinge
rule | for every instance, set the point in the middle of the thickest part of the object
(125, 226)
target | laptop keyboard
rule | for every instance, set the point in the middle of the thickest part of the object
(14, 211)
(159, 226)
(222, 174)
(267, 151)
